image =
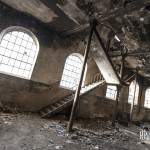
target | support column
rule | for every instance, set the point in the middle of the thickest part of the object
(77, 94)
(119, 87)
(124, 94)
(140, 99)
(116, 106)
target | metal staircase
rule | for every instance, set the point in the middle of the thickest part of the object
(65, 102)
(57, 106)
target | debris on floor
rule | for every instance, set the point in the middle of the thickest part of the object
(30, 132)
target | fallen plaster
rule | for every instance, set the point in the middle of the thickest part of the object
(30, 132)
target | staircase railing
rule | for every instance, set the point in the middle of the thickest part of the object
(90, 87)
(66, 101)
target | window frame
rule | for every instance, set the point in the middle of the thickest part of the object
(35, 40)
(145, 101)
(108, 89)
(81, 58)
(137, 92)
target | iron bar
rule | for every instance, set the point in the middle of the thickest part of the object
(77, 94)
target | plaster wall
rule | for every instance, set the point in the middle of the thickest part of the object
(43, 88)
(97, 105)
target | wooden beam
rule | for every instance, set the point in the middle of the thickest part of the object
(77, 94)
(35, 8)
(119, 12)
(104, 63)
(118, 54)
(72, 11)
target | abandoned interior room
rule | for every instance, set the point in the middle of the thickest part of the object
(74, 74)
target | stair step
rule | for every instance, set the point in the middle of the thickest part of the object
(53, 107)
(61, 102)
(47, 110)
(53, 111)
(67, 99)
(64, 102)
(42, 113)
(60, 105)
(57, 104)
(56, 107)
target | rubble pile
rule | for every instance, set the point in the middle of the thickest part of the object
(30, 132)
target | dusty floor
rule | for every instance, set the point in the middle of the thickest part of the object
(30, 132)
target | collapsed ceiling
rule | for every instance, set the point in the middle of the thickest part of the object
(128, 20)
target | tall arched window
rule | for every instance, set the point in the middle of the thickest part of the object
(71, 72)
(111, 92)
(147, 98)
(18, 52)
(132, 91)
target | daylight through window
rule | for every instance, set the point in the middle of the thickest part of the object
(111, 92)
(71, 73)
(18, 52)
(147, 98)
(132, 91)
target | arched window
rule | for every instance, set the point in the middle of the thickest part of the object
(18, 52)
(147, 98)
(132, 91)
(111, 92)
(71, 72)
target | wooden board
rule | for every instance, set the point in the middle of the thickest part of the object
(105, 66)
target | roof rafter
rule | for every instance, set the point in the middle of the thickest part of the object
(119, 12)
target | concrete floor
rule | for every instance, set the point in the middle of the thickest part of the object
(30, 132)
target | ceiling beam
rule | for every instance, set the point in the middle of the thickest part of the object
(119, 12)
(72, 11)
(33, 7)
(118, 54)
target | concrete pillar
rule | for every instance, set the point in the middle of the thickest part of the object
(139, 110)
(124, 94)
(141, 98)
